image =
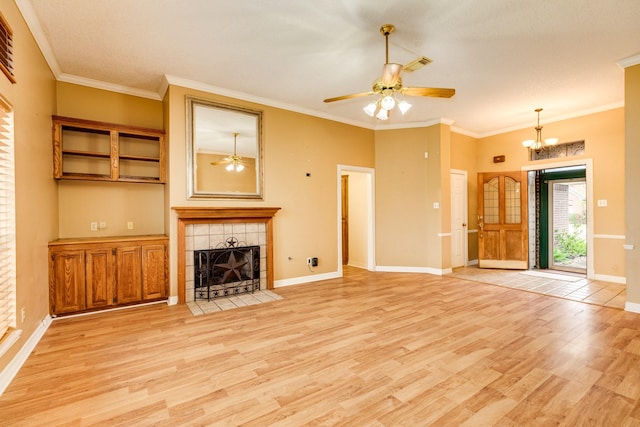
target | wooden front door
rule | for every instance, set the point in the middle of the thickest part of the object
(502, 220)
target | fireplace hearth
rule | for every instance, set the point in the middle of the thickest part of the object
(232, 268)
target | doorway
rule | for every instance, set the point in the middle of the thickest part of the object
(355, 217)
(563, 219)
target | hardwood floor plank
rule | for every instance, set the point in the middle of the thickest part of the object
(374, 349)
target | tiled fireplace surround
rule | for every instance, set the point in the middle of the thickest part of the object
(207, 227)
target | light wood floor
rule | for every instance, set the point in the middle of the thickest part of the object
(370, 349)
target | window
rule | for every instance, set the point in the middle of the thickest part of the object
(6, 49)
(7, 224)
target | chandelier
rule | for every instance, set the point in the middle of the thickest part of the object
(383, 105)
(538, 144)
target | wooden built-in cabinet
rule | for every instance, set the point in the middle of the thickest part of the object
(96, 273)
(100, 151)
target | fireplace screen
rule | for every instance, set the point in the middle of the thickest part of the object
(226, 271)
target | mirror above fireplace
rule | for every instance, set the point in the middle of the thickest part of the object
(224, 158)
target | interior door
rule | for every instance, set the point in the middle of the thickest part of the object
(502, 220)
(345, 219)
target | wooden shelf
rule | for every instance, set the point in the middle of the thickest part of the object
(101, 151)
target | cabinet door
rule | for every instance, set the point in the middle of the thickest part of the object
(99, 277)
(67, 281)
(154, 278)
(128, 274)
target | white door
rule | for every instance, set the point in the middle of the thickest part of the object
(459, 217)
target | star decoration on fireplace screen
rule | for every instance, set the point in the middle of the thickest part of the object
(232, 266)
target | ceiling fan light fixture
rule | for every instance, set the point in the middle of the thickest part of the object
(371, 109)
(387, 103)
(404, 106)
(383, 114)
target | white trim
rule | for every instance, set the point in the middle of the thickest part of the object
(472, 231)
(588, 164)
(407, 269)
(613, 279)
(172, 300)
(609, 236)
(630, 61)
(306, 279)
(633, 307)
(192, 84)
(30, 17)
(444, 234)
(371, 235)
(99, 84)
(473, 262)
(11, 370)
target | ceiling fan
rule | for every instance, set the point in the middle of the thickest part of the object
(233, 162)
(390, 84)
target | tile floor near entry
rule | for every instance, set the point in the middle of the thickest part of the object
(200, 307)
(557, 284)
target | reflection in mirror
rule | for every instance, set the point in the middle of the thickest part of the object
(225, 150)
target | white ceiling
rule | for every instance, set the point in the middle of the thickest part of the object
(504, 57)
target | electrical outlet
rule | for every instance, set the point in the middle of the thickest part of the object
(102, 225)
(309, 261)
(314, 262)
(93, 226)
(23, 313)
(130, 225)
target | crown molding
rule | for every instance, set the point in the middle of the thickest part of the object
(30, 17)
(630, 61)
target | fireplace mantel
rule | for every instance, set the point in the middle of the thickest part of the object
(203, 215)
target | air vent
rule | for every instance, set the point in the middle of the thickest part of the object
(416, 64)
(6, 49)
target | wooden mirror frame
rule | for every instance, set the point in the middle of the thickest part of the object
(222, 121)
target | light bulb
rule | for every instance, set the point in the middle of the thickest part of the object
(404, 106)
(370, 109)
(383, 114)
(239, 168)
(528, 143)
(551, 141)
(388, 102)
(229, 167)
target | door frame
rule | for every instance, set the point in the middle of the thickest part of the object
(370, 173)
(588, 164)
(465, 209)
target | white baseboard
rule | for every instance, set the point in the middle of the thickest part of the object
(406, 269)
(11, 370)
(613, 279)
(633, 307)
(305, 279)
(172, 300)
(472, 262)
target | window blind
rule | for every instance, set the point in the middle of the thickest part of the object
(6, 49)
(7, 223)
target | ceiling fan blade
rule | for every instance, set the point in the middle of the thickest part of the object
(429, 91)
(221, 162)
(416, 64)
(354, 95)
(391, 74)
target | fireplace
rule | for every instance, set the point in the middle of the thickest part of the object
(204, 228)
(231, 269)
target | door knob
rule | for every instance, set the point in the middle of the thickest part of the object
(464, 224)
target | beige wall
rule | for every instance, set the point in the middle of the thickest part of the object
(80, 202)
(294, 145)
(604, 139)
(632, 177)
(33, 101)
(407, 185)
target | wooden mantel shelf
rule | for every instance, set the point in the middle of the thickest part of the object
(215, 213)
(200, 215)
